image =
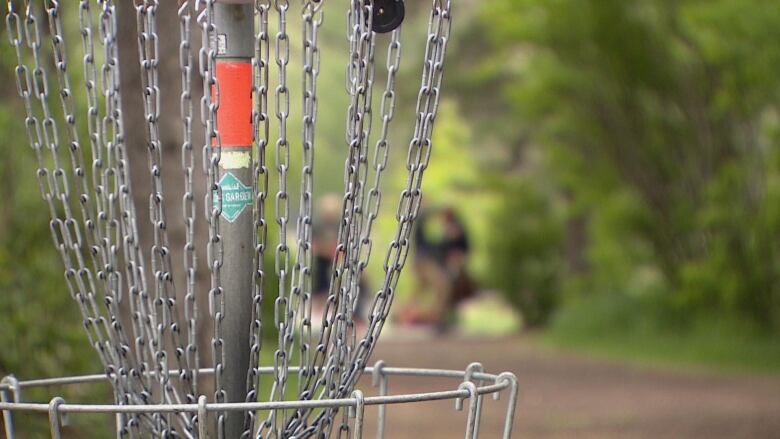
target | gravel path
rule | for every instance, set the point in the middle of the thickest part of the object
(565, 396)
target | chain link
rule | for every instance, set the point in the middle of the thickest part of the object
(335, 315)
(185, 14)
(94, 222)
(168, 332)
(418, 156)
(283, 311)
(312, 17)
(261, 133)
(104, 232)
(211, 158)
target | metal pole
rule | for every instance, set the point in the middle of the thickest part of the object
(234, 40)
(9, 383)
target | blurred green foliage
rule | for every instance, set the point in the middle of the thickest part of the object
(525, 250)
(655, 123)
(616, 164)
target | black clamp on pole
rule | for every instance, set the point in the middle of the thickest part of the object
(388, 15)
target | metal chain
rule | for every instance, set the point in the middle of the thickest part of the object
(261, 128)
(116, 185)
(325, 370)
(362, 246)
(373, 203)
(185, 13)
(298, 302)
(360, 84)
(355, 240)
(213, 200)
(418, 156)
(283, 312)
(104, 260)
(360, 74)
(102, 244)
(312, 17)
(103, 254)
(295, 307)
(168, 330)
(79, 279)
(347, 335)
(381, 153)
(111, 176)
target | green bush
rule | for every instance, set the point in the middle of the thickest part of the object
(524, 247)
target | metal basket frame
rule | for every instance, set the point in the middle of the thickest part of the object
(98, 213)
(475, 384)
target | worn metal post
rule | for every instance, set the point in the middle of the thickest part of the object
(56, 419)
(9, 383)
(380, 379)
(234, 40)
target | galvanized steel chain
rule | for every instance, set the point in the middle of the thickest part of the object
(293, 310)
(111, 184)
(360, 86)
(185, 14)
(283, 312)
(261, 135)
(121, 220)
(105, 261)
(213, 199)
(104, 234)
(374, 200)
(381, 150)
(418, 156)
(312, 17)
(79, 278)
(167, 328)
(325, 370)
(371, 207)
(353, 279)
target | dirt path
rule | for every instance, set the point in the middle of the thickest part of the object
(564, 396)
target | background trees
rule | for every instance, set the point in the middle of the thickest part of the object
(652, 123)
(616, 162)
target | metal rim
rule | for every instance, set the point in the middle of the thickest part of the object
(497, 384)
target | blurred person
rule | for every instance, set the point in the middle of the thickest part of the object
(431, 278)
(325, 240)
(441, 253)
(455, 248)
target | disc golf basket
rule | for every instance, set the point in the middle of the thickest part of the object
(165, 383)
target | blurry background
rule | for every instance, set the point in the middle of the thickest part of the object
(615, 167)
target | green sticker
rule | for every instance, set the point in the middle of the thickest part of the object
(236, 197)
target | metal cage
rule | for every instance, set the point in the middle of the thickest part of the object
(474, 385)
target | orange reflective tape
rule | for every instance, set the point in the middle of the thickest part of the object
(234, 117)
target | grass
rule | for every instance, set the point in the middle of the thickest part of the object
(760, 356)
(619, 332)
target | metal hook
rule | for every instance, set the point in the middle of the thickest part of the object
(471, 369)
(473, 407)
(9, 383)
(512, 403)
(472, 389)
(357, 412)
(378, 373)
(203, 430)
(56, 421)
(378, 378)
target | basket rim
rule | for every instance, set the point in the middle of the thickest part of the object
(475, 382)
